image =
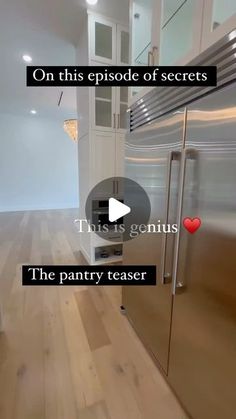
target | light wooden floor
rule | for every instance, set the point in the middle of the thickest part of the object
(67, 353)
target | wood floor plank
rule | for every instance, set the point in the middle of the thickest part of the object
(133, 364)
(60, 395)
(5, 248)
(94, 328)
(44, 230)
(31, 362)
(10, 357)
(97, 411)
(68, 353)
(118, 394)
(86, 382)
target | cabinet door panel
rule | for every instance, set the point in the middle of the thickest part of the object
(123, 42)
(104, 152)
(181, 32)
(102, 40)
(122, 96)
(103, 108)
(170, 8)
(103, 113)
(141, 31)
(219, 19)
(222, 11)
(123, 116)
(145, 35)
(120, 154)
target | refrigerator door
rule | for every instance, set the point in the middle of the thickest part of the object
(153, 160)
(202, 367)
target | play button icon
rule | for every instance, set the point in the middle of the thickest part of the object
(117, 210)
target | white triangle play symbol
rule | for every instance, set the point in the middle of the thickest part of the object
(117, 210)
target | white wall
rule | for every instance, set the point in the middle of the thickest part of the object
(38, 164)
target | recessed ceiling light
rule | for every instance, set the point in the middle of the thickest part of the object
(33, 111)
(27, 58)
(92, 2)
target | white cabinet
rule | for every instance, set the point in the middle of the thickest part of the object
(108, 45)
(109, 108)
(180, 31)
(165, 32)
(145, 17)
(107, 156)
(219, 18)
(122, 99)
(102, 114)
(123, 43)
(102, 40)
(108, 41)
(103, 155)
(173, 32)
(103, 108)
(120, 155)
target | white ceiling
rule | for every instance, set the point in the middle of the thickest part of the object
(47, 30)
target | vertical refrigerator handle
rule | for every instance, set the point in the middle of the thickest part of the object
(166, 276)
(187, 154)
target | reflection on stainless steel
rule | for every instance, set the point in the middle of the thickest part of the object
(188, 321)
(147, 154)
(203, 342)
(162, 101)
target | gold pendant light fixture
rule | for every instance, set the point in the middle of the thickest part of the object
(71, 128)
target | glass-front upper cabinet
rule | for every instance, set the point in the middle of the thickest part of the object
(108, 41)
(145, 25)
(123, 44)
(141, 31)
(146, 17)
(219, 18)
(180, 32)
(110, 108)
(104, 108)
(122, 105)
(102, 40)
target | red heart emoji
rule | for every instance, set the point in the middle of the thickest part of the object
(192, 224)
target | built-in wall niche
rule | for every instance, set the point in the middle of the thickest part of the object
(108, 254)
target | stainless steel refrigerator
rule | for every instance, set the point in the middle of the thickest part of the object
(183, 153)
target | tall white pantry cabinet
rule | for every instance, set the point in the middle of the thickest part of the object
(102, 118)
